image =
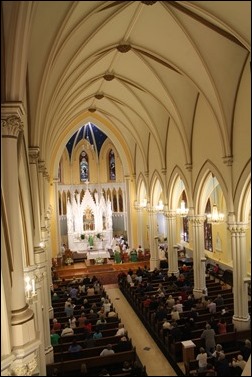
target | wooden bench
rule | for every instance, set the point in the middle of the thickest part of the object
(64, 355)
(228, 340)
(64, 345)
(95, 362)
(191, 366)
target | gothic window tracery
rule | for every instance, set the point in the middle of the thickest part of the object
(84, 166)
(208, 230)
(112, 172)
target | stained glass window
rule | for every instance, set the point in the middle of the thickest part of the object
(208, 230)
(112, 173)
(84, 166)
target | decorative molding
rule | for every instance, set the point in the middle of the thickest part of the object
(41, 167)
(11, 126)
(99, 95)
(197, 220)
(148, 2)
(33, 155)
(123, 48)
(188, 166)
(228, 160)
(92, 109)
(237, 228)
(109, 76)
(22, 368)
(171, 215)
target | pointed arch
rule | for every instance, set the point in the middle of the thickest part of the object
(202, 188)
(142, 191)
(175, 188)
(156, 189)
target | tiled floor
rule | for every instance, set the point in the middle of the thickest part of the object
(147, 350)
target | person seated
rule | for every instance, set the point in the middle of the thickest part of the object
(237, 365)
(74, 347)
(67, 331)
(202, 360)
(126, 367)
(54, 338)
(121, 330)
(56, 324)
(246, 350)
(107, 351)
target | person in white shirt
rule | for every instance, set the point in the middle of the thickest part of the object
(106, 306)
(121, 330)
(107, 351)
(67, 331)
(202, 360)
(178, 306)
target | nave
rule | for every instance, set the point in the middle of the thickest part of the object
(146, 348)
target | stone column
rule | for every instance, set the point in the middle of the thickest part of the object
(127, 210)
(22, 324)
(56, 200)
(241, 317)
(42, 306)
(33, 156)
(11, 127)
(172, 249)
(199, 260)
(41, 178)
(139, 211)
(154, 257)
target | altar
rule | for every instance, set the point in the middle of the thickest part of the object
(89, 221)
(99, 256)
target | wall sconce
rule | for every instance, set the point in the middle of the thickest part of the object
(143, 203)
(182, 210)
(30, 292)
(215, 217)
(160, 206)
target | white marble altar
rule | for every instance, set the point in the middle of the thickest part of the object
(91, 218)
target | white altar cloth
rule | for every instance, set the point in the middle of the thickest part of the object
(97, 254)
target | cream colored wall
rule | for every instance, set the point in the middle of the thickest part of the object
(241, 135)
(98, 170)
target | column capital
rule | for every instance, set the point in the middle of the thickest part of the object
(197, 220)
(228, 160)
(12, 114)
(33, 154)
(237, 228)
(170, 214)
(11, 126)
(41, 166)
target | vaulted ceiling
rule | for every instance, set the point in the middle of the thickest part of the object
(136, 65)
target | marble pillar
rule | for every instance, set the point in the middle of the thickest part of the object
(199, 260)
(241, 317)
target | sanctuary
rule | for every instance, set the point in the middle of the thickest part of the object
(89, 221)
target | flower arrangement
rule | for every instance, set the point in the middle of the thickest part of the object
(68, 261)
(99, 260)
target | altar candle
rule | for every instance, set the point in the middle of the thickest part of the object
(33, 286)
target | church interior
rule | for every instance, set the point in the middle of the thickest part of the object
(126, 131)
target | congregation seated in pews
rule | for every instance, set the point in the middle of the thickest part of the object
(169, 310)
(84, 328)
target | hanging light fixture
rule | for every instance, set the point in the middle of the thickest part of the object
(182, 211)
(215, 217)
(159, 207)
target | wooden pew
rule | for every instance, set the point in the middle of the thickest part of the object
(92, 363)
(191, 366)
(228, 340)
